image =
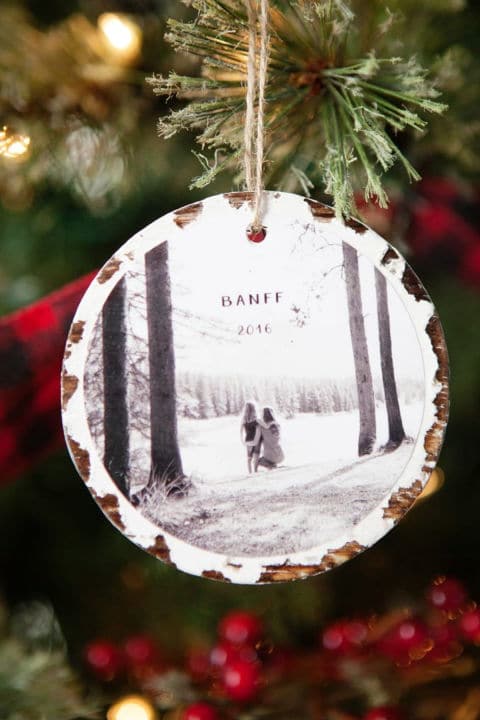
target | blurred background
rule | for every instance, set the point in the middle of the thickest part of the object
(81, 169)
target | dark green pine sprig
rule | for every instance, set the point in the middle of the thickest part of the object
(333, 109)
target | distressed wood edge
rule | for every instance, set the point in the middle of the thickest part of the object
(413, 285)
(320, 211)
(69, 386)
(390, 256)
(110, 268)
(237, 200)
(188, 214)
(325, 213)
(332, 559)
(402, 500)
(69, 381)
(435, 436)
(286, 573)
(81, 458)
(110, 505)
(216, 575)
(160, 550)
(337, 557)
(76, 331)
(75, 335)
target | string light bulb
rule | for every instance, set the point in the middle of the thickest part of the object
(132, 707)
(14, 146)
(123, 37)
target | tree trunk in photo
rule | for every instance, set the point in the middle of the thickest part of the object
(396, 433)
(115, 412)
(363, 372)
(166, 464)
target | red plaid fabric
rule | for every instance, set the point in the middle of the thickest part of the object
(32, 342)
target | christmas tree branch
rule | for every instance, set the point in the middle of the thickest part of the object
(324, 104)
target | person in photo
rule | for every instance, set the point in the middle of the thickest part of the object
(251, 436)
(269, 439)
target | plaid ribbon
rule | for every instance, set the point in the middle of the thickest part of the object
(32, 343)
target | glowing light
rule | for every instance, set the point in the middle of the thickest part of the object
(132, 707)
(123, 36)
(436, 481)
(14, 146)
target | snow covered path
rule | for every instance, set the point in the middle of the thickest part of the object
(211, 449)
(280, 511)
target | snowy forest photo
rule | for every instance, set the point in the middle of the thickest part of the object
(260, 410)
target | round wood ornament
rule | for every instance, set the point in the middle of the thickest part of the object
(255, 412)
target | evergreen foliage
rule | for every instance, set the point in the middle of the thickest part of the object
(202, 397)
(335, 97)
(36, 680)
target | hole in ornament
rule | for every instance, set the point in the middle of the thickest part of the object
(256, 235)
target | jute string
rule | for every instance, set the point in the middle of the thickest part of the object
(257, 68)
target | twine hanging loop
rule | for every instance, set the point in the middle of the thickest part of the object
(254, 137)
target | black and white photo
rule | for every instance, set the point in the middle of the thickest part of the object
(255, 411)
(260, 403)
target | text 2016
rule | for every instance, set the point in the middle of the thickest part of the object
(260, 329)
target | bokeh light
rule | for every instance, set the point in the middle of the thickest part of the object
(122, 35)
(14, 146)
(132, 707)
(435, 483)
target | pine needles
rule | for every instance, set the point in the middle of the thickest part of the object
(331, 117)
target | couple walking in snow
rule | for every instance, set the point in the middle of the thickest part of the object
(261, 436)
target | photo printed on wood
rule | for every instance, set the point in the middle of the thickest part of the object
(250, 412)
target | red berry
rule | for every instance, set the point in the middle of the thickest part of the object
(383, 712)
(469, 625)
(221, 654)
(240, 628)
(256, 236)
(224, 653)
(104, 659)
(200, 711)
(141, 650)
(407, 640)
(447, 594)
(241, 680)
(345, 636)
